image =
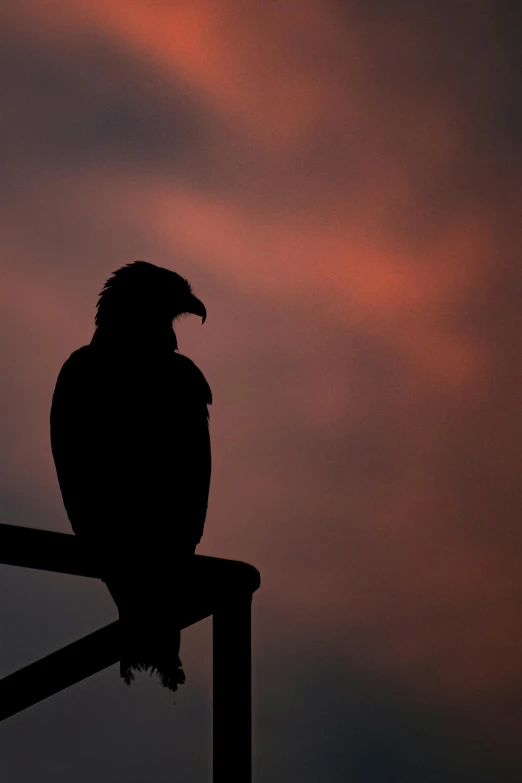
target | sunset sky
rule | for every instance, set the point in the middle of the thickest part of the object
(341, 183)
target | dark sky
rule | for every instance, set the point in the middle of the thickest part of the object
(340, 182)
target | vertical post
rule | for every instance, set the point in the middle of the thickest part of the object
(232, 697)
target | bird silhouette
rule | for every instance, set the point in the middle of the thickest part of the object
(131, 446)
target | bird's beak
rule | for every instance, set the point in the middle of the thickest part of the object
(195, 306)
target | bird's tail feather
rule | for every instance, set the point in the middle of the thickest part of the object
(170, 675)
(153, 648)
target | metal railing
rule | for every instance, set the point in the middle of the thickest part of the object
(221, 588)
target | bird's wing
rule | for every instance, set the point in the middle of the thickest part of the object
(132, 449)
(73, 422)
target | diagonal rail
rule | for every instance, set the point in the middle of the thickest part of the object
(59, 670)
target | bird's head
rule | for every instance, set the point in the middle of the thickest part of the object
(142, 296)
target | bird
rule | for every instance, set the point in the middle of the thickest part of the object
(130, 439)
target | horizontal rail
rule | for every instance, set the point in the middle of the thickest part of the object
(214, 577)
(43, 549)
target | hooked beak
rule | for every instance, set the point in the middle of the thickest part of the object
(195, 306)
